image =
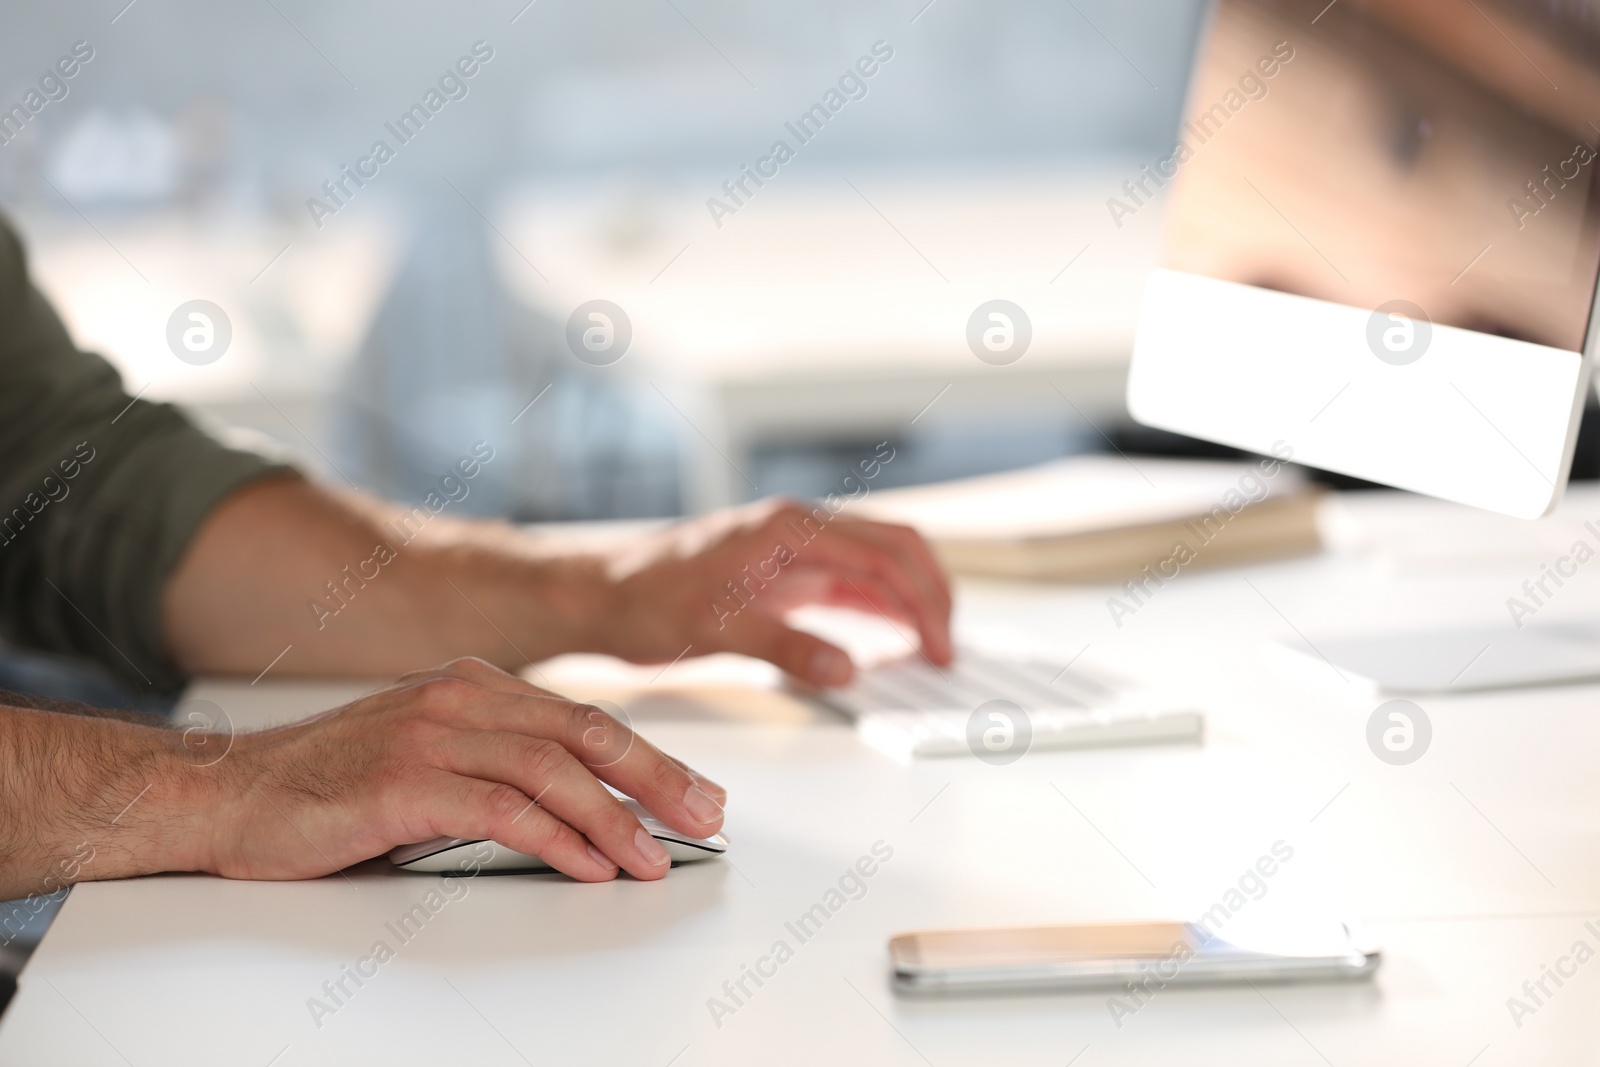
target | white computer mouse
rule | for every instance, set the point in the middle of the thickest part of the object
(461, 855)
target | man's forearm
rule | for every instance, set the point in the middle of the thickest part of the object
(87, 798)
(327, 582)
(348, 589)
(459, 751)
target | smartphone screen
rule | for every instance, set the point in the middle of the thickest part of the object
(1009, 946)
(1110, 953)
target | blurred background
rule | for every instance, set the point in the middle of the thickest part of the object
(380, 329)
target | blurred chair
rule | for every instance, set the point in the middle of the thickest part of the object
(451, 360)
(78, 681)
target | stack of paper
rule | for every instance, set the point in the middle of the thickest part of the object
(1103, 518)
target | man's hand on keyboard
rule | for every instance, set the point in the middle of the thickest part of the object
(722, 583)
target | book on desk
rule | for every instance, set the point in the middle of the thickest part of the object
(1101, 518)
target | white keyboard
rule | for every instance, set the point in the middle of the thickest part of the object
(998, 708)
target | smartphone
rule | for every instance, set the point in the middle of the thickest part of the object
(1114, 955)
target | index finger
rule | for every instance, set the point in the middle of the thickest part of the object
(898, 557)
(608, 747)
(913, 550)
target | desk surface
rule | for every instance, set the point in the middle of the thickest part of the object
(1476, 866)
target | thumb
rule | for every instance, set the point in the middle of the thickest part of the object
(803, 655)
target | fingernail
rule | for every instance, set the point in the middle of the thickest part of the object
(829, 666)
(700, 805)
(602, 859)
(718, 793)
(651, 849)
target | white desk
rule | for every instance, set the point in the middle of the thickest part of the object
(1475, 866)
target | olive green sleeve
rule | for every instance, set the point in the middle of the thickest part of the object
(99, 493)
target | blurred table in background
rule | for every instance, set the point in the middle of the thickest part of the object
(839, 311)
(833, 312)
(298, 303)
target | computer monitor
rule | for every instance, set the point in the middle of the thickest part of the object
(1382, 239)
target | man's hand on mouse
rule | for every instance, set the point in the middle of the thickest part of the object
(464, 750)
(722, 583)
